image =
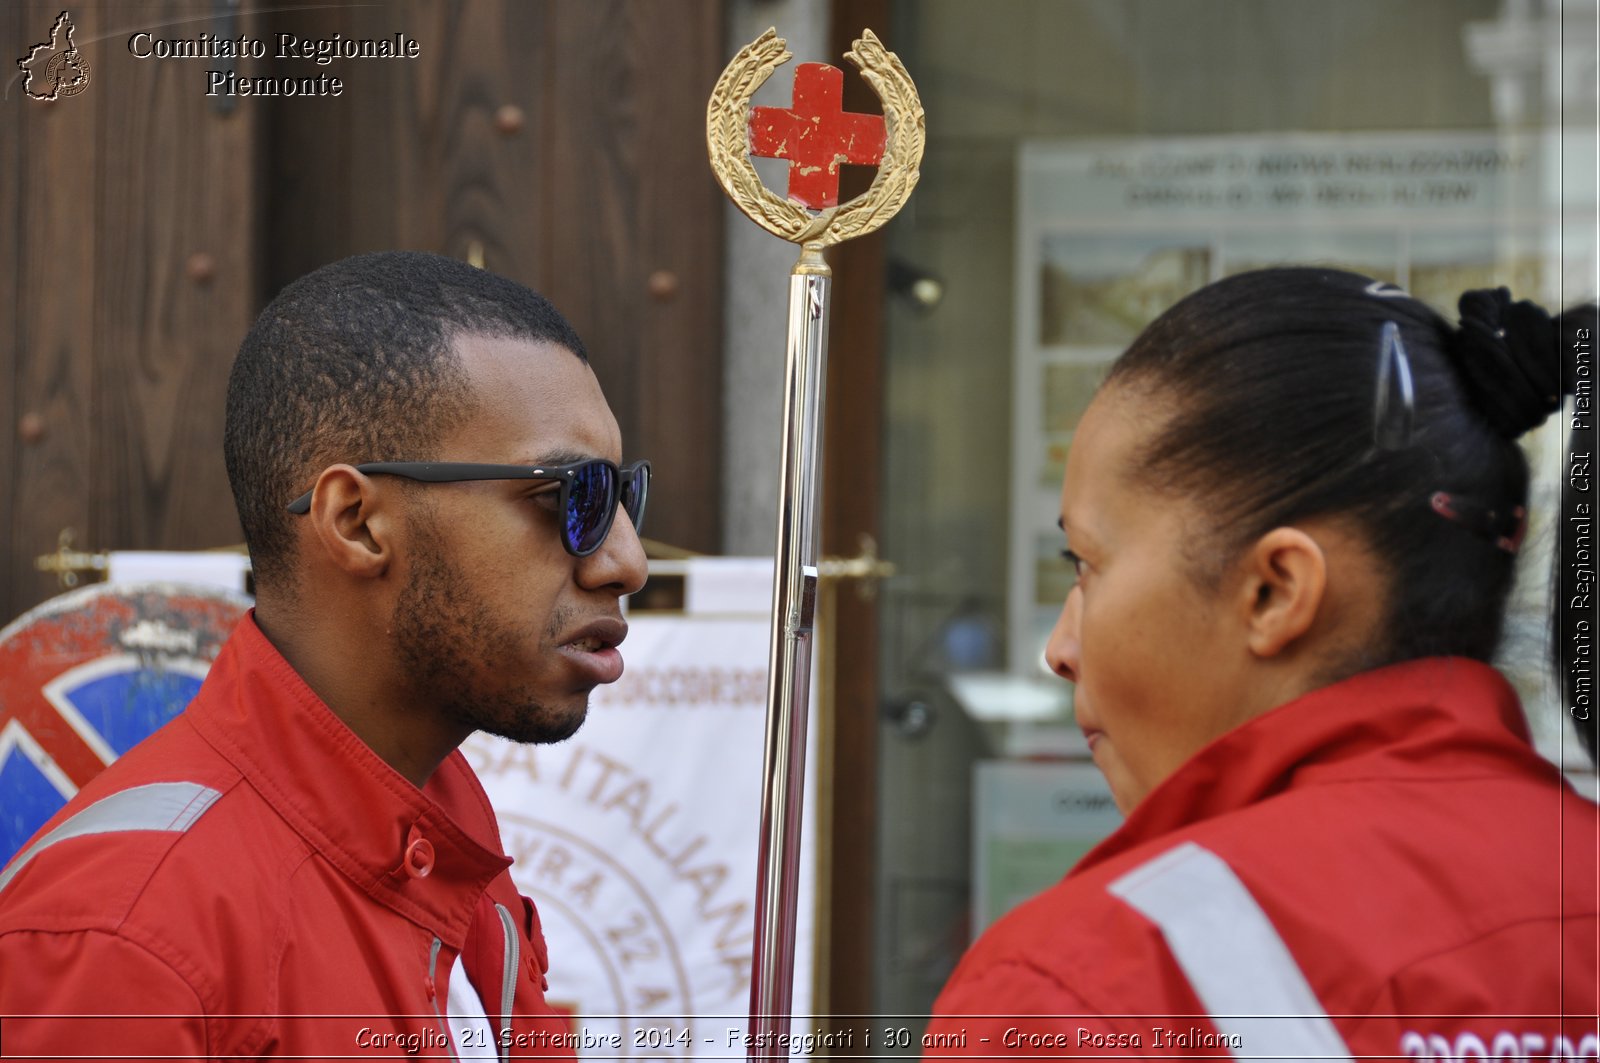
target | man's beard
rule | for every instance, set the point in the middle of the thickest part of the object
(448, 645)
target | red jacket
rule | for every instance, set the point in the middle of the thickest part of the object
(256, 881)
(1386, 862)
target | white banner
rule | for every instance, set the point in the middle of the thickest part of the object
(637, 838)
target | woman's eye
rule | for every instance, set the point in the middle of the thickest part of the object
(1075, 561)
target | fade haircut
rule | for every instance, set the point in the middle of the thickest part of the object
(356, 362)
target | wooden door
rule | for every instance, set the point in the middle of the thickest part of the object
(143, 224)
(563, 143)
(129, 244)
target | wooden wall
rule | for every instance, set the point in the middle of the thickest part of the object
(141, 229)
(567, 141)
(129, 244)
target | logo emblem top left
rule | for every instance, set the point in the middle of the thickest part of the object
(55, 68)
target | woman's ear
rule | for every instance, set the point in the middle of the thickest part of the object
(350, 522)
(1285, 582)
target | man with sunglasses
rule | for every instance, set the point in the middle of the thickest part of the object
(302, 863)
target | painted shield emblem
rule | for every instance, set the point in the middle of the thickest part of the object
(87, 676)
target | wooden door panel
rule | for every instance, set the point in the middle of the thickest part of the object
(564, 142)
(133, 255)
(54, 173)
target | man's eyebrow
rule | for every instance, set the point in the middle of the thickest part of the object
(563, 457)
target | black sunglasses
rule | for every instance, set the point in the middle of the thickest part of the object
(590, 491)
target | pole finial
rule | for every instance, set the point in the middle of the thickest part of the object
(816, 126)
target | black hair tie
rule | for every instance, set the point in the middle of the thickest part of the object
(1509, 356)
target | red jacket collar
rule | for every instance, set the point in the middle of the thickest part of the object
(1391, 722)
(343, 799)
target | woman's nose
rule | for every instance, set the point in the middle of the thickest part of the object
(1061, 652)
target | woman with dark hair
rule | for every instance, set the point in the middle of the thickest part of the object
(1294, 508)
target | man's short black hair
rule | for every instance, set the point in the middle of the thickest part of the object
(356, 362)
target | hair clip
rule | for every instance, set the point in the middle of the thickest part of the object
(1386, 290)
(1504, 529)
(1395, 407)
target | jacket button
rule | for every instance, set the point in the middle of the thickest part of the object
(419, 858)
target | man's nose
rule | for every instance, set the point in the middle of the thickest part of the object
(620, 563)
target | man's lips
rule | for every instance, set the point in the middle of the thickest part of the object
(601, 634)
(593, 649)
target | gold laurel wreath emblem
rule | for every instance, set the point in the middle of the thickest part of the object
(728, 144)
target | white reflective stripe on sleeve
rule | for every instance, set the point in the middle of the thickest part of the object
(1233, 957)
(163, 806)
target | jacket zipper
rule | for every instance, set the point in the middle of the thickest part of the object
(433, 995)
(508, 978)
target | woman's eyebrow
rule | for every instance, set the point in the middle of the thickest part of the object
(1078, 535)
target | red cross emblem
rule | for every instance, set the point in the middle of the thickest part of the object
(816, 135)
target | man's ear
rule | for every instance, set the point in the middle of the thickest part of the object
(1285, 581)
(351, 521)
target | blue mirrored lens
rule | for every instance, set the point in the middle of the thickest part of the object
(590, 503)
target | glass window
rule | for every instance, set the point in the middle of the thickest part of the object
(1088, 163)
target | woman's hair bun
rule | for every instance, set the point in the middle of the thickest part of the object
(1510, 358)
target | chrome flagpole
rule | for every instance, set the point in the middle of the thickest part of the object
(816, 135)
(794, 588)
